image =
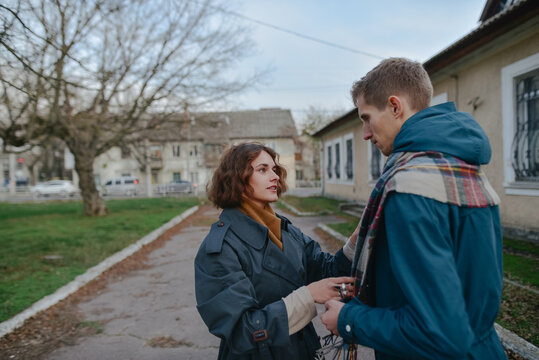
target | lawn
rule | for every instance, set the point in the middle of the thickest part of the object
(30, 234)
(317, 204)
(519, 309)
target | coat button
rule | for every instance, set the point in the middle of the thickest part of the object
(221, 224)
(348, 328)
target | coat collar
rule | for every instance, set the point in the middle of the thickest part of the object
(286, 263)
(246, 228)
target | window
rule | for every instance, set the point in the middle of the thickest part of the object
(299, 174)
(525, 147)
(176, 150)
(375, 162)
(349, 157)
(176, 176)
(155, 151)
(520, 114)
(340, 159)
(329, 158)
(337, 160)
(126, 152)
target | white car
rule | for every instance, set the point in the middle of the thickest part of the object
(55, 187)
(124, 185)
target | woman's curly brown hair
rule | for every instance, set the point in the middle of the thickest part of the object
(231, 179)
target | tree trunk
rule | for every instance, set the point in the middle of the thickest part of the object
(94, 205)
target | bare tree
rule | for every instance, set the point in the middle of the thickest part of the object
(317, 117)
(98, 73)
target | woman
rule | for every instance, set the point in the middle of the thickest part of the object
(257, 276)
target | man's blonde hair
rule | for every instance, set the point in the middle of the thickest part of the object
(394, 76)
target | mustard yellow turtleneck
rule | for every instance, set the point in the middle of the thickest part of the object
(264, 217)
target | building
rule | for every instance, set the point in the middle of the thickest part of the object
(492, 73)
(189, 147)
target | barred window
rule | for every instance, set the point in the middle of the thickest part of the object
(525, 145)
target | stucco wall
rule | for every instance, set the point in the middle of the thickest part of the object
(359, 189)
(479, 79)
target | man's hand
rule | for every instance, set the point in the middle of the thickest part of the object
(331, 316)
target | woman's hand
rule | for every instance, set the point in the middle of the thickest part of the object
(331, 289)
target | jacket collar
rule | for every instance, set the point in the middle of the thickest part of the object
(286, 263)
(246, 228)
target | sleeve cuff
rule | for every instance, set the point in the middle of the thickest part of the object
(345, 323)
(349, 250)
(300, 309)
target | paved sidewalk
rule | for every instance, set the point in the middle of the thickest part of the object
(151, 313)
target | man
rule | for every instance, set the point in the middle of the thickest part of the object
(429, 255)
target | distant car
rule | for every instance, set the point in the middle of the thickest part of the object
(55, 187)
(180, 186)
(125, 185)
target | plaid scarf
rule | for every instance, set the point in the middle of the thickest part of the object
(430, 174)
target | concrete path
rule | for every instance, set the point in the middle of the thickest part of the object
(151, 313)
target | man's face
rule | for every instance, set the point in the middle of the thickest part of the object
(379, 126)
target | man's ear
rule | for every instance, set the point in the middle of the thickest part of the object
(396, 105)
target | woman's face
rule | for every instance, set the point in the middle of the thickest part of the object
(264, 180)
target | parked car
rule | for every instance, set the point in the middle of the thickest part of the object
(125, 185)
(55, 187)
(180, 186)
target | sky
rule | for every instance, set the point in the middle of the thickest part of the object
(305, 73)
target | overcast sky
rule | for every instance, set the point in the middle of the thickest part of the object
(306, 73)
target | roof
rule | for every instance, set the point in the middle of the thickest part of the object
(349, 116)
(485, 33)
(220, 127)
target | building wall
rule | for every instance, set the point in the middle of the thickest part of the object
(190, 164)
(478, 80)
(360, 188)
(110, 165)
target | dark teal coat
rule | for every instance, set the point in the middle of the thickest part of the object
(241, 278)
(438, 267)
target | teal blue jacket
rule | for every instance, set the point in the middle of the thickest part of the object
(241, 277)
(437, 267)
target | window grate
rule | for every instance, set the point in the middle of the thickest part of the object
(525, 146)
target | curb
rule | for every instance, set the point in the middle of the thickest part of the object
(509, 339)
(333, 233)
(9, 325)
(516, 344)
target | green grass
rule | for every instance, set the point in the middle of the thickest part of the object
(29, 232)
(521, 269)
(525, 247)
(344, 228)
(519, 311)
(315, 204)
